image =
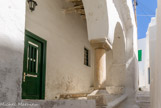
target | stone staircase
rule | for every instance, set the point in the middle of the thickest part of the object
(143, 99)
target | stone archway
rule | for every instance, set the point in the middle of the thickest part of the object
(95, 12)
(97, 19)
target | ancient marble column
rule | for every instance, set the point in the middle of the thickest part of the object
(100, 46)
(100, 68)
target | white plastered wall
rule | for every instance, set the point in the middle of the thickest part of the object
(156, 94)
(152, 48)
(143, 44)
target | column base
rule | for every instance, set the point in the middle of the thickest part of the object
(115, 90)
(102, 97)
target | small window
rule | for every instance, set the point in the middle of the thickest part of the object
(139, 55)
(86, 57)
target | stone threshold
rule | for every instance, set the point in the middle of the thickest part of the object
(73, 96)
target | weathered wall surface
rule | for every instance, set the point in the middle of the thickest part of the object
(66, 36)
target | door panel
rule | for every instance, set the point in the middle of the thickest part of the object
(32, 75)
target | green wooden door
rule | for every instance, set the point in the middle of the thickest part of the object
(33, 63)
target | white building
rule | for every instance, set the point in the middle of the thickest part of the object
(143, 58)
(152, 49)
(155, 58)
(52, 53)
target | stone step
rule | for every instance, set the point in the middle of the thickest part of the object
(82, 95)
(143, 99)
(144, 105)
(115, 102)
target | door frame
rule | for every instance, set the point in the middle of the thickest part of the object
(44, 46)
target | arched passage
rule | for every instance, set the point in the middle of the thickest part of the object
(119, 45)
(116, 74)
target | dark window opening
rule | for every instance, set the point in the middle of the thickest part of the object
(86, 57)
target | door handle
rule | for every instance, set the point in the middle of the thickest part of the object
(28, 75)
